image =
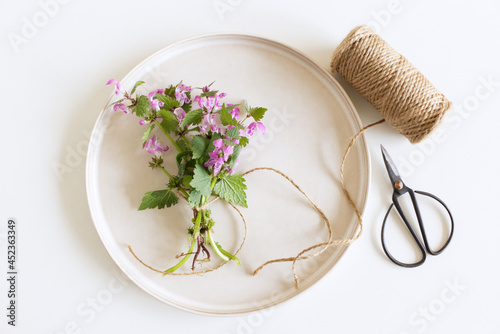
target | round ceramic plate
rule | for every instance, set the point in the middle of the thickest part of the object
(309, 123)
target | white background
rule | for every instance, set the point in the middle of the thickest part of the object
(52, 84)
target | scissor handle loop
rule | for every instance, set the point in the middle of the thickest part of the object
(452, 225)
(411, 230)
(419, 244)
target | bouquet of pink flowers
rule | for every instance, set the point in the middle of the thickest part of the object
(208, 140)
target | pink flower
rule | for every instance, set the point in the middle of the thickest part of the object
(153, 93)
(254, 126)
(208, 123)
(122, 107)
(218, 144)
(226, 152)
(155, 103)
(179, 114)
(235, 113)
(118, 86)
(219, 156)
(180, 93)
(142, 122)
(153, 146)
(209, 103)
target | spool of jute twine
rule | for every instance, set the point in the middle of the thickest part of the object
(397, 89)
(404, 97)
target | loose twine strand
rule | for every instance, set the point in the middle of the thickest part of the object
(397, 89)
(299, 256)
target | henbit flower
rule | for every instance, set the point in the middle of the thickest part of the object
(226, 152)
(180, 93)
(156, 104)
(142, 122)
(153, 146)
(179, 114)
(208, 122)
(254, 126)
(118, 86)
(152, 94)
(210, 103)
(235, 113)
(122, 107)
(215, 161)
(205, 89)
(218, 143)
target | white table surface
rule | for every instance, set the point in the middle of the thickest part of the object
(52, 92)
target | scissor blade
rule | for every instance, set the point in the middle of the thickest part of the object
(391, 166)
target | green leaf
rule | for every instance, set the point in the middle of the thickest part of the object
(244, 141)
(199, 144)
(194, 199)
(226, 117)
(192, 117)
(257, 113)
(232, 189)
(142, 106)
(169, 122)
(201, 180)
(234, 156)
(158, 199)
(181, 142)
(209, 93)
(178, 158)
(233, 133)
(169, 103)
(137, 84)
(146, 134)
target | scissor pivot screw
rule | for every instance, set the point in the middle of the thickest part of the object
(399, 185)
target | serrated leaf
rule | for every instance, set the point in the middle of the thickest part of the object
(178, 158)
(226, 118)
(158, 199)
(232, 189)
(181, 142)
(169, 103)
(234, 156)
(244, 141)
(169, 122)
(199, 145)
(170, 91)
(201, 180)
(233, 133)
(193, 117)
(194, 199)
(142, 106)
(146, 134)
(257, 113)
(137, 84)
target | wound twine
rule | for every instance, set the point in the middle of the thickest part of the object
(404, 97)
(399, 91)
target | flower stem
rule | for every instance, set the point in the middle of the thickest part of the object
(167, 173)
(196, 233)
(168, 136)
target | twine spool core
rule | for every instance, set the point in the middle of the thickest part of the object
(398, 90)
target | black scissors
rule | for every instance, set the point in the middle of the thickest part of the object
(400, 189)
